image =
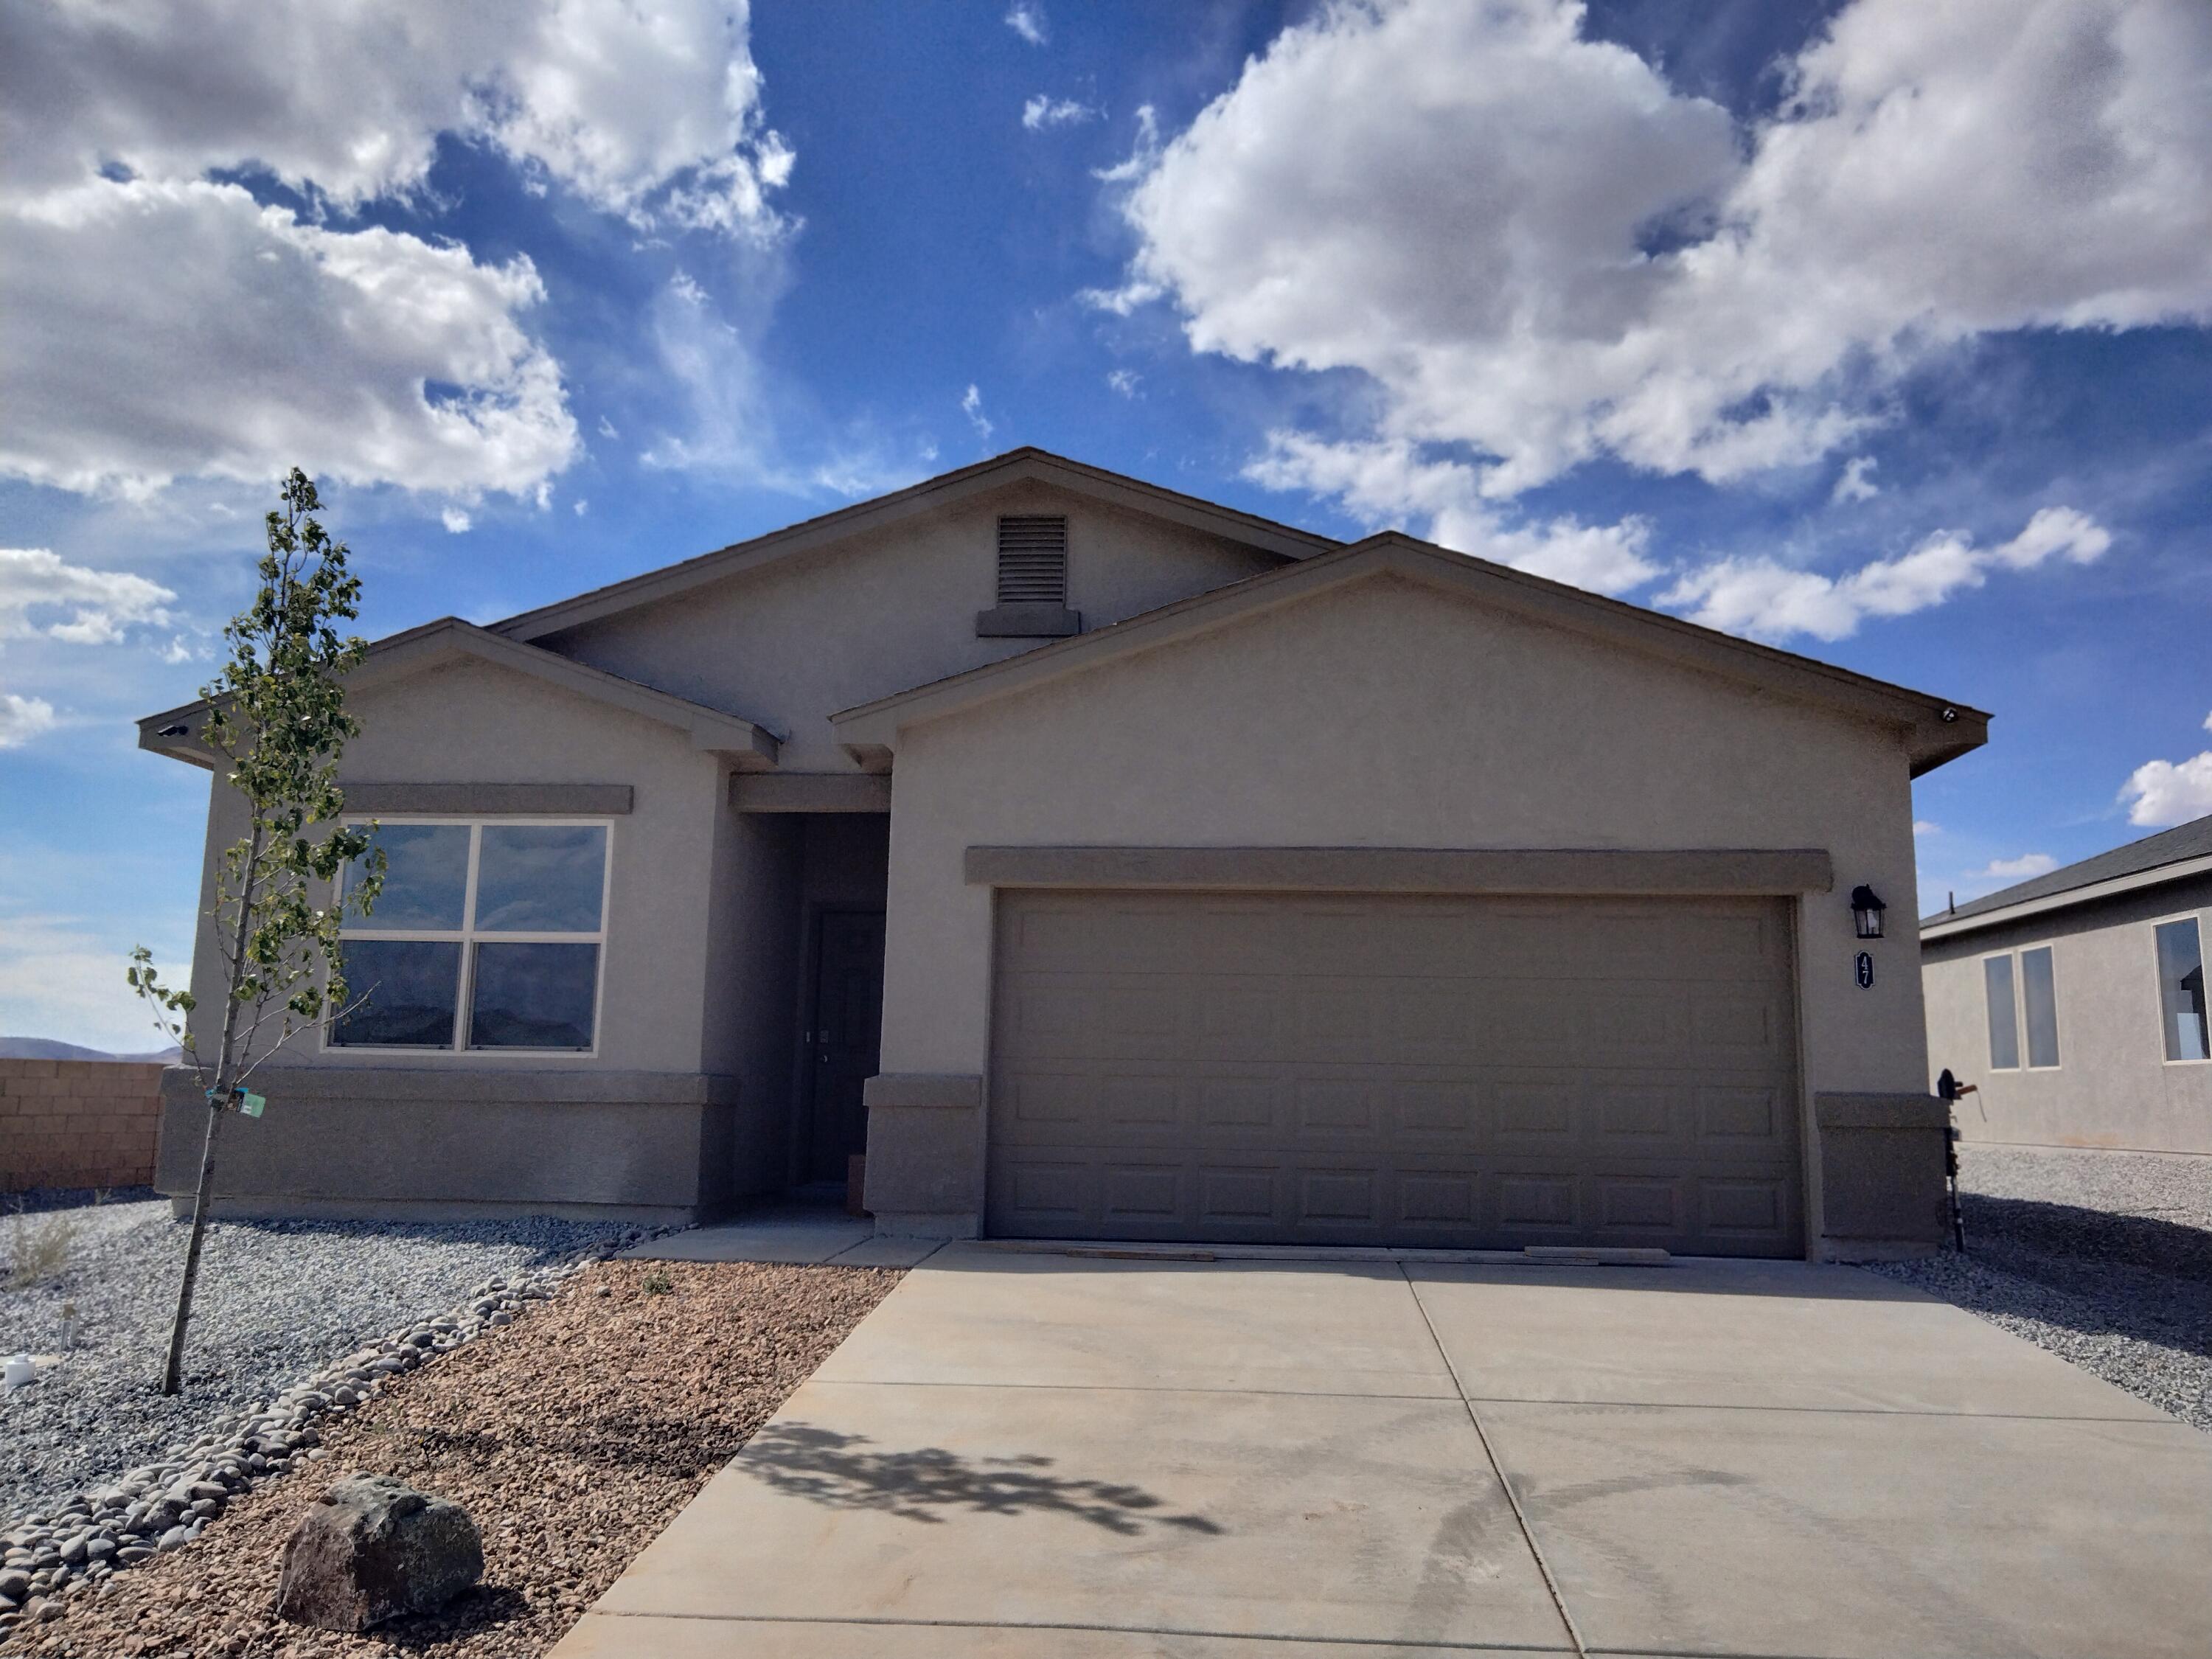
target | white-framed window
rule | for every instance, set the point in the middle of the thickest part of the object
(2031, 975)
(489, 937)
(2038, 1004)
(2181, 1015)
(2004, 1023)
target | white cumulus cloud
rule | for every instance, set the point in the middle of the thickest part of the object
(1027, 20)
(971, 405)
(1531, 244)
(22, 718)
(1380, 482)
(1043, 111)
(2027, 865)
(1858, 482)
(165, 323)
(457, 522)
(41, 593)
(1771, 600)
(651, 111)
(2160, 794)
(263, 341)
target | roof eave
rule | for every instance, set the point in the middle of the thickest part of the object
(1933, 732)
(1284, 541)
(1942, 925)
(747, 744)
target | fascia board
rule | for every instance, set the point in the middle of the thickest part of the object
(1916, 715)
(417, 649)
(931, 496)
(1943, 927)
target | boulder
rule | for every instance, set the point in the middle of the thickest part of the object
(373, 1548)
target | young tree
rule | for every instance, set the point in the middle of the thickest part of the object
(278, 717)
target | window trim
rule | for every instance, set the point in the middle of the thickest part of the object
(2027, 1025)
(467, 937)
(2158, 982)
(2011, 1012)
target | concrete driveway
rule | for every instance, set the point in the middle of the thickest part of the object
(1080, 1458)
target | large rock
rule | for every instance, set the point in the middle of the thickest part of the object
(374, 1548)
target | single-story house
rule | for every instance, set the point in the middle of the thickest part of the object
(2074, 1002)
(1103, 862)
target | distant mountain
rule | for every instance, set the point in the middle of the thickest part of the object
(47, 1048)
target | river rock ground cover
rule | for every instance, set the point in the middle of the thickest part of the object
(2103, 1258)
(573, 1436)
(276, 1300)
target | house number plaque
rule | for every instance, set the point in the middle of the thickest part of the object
(1865, 971)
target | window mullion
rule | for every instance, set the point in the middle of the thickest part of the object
(463, 993)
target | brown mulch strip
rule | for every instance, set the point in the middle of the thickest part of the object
(573, 1436)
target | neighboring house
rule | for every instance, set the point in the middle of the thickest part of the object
(2074, 1002)
(1106, 863)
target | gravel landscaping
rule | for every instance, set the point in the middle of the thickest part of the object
(276, 1301)
(573, 1436)
(2103, 1258)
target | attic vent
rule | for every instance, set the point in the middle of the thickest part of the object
(1033, 560)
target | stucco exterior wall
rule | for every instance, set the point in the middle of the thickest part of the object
(792, 642)
(1385, 713)
(2113, 1086)
(472, 723)
(659, 1133)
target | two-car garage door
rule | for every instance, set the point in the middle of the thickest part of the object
(1465, 1071)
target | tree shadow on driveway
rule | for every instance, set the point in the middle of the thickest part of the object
(849, 1471)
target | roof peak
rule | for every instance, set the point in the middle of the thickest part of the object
(1285, 541)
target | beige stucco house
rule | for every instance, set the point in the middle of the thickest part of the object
(2074, 1002)
(1102, 862)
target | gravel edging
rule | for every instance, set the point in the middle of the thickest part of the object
(572, 1435)
(277, 1302)
(168, 1504)
(2102, 1258)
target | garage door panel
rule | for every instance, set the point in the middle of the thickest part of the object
(1415, 1071)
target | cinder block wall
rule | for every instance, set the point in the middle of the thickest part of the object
(77, 1123)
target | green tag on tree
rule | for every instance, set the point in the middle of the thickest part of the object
(251, 1105)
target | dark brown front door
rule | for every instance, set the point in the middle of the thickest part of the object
(846, 1037)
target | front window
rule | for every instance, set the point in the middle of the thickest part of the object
(486, 938)
(2038, 997)
(2004, 1025)
(2181, 990)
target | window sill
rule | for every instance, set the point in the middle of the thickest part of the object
(1028, 622)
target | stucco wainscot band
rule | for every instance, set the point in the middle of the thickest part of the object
(1881, 1174)
(405, 1143)
(925, 1155)
(1407, 869)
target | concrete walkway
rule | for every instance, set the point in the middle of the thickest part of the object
(797, 1235)
(1068, 1458)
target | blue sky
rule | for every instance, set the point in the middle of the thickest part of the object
(1879, 330)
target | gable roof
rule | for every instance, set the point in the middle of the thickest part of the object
(931, 495)
(1935, 730)
(450, 639)
(2170, 855)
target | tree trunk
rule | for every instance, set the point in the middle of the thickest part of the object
(172, 1371)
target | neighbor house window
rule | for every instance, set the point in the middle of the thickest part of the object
(2004, 1024)
(2181, 990)
(2039, 1000)
(485, 936)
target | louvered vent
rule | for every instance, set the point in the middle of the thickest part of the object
(1033, 560)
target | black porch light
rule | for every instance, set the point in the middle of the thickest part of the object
(1866, 911)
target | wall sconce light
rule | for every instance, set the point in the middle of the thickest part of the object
(1866, 911)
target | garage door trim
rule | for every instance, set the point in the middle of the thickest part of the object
(1603, 871)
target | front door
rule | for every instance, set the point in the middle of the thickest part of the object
(846, 1035)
